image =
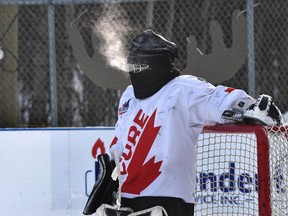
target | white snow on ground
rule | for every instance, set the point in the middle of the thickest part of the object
(285, 117)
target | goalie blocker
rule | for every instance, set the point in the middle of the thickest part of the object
(104, 188)
(102, 199)
(263, 110)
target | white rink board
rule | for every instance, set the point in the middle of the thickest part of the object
(49, 172)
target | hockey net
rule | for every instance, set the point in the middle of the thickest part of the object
(242, 170)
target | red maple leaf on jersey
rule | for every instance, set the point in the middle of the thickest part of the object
(141, 175)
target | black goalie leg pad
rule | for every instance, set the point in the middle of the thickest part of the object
(104, 187)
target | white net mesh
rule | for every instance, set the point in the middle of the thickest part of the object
(228, 174)
(278, 162)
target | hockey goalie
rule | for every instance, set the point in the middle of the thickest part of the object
(160, 118)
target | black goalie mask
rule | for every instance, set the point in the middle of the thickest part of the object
(151, 63)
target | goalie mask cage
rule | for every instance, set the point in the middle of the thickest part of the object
(242, 170)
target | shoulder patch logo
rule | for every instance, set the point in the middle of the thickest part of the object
(229, 89)
(124, 108)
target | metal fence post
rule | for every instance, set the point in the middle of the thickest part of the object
(250, 48)
(52, 66)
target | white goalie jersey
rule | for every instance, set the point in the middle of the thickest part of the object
(156, 137)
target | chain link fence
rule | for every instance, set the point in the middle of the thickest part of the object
(61, 61)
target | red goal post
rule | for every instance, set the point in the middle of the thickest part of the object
(242, 170)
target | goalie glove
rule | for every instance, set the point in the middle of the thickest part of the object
(232, 115)
(265, 111)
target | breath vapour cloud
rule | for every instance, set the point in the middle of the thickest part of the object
(113, 29)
